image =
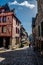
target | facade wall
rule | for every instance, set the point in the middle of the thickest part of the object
(39, 20)
(5, 29)
(10, 28)
(15, 43)
(7, 24)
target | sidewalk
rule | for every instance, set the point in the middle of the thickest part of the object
(22, 48)
(5, 50)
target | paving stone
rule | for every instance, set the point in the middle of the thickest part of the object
(19, 57)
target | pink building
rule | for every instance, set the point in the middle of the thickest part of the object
(9, 28)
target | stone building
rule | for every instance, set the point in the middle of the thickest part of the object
(24, 36)
(9, 28)
(33, 30)
(39, 26)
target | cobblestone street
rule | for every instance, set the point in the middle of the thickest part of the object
(24, 56)
(39, 58)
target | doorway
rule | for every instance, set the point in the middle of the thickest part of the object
(41, 45)
(1, 42)
(5, 42)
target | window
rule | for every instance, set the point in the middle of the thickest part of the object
(17, 23)
(0, 19)
(41, 45)
(17, 30)
(0, 11)
(17, 40)
(38, 30)
(9, 28)
(4, 19)
(3, 29)
(42, 1)
(42, 29)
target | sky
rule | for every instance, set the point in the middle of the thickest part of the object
(25, 10)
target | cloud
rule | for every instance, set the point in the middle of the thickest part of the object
(25, 3)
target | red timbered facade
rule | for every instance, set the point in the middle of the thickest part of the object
(8, 24)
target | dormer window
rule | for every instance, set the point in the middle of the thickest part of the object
(3, 11)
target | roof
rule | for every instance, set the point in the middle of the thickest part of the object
(7, 9)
